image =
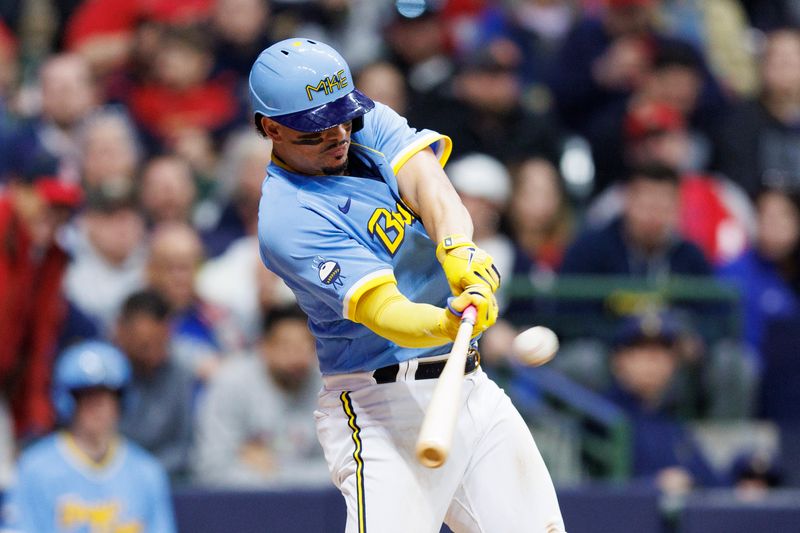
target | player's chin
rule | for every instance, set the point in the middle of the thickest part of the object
(336, 170)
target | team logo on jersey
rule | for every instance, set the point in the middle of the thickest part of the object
(390, 226)
(98, 517)
(327, 84)
(330, 273)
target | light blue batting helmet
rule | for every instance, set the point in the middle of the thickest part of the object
(87, 365)
(305, 85)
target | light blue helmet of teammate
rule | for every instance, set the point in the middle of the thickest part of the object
(305, 85)
(90, 364)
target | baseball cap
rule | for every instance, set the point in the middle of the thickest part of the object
(661, 328)
(651, 118)
(57, 192)
(481, 176)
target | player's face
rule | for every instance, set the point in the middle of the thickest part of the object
(97, 411)
(290, 353)
(315, 154)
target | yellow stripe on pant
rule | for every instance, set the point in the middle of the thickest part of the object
(351, 415)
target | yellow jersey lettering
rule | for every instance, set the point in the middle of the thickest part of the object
(390, 227)
(97, 517)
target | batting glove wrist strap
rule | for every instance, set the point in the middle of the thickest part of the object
(465, 264)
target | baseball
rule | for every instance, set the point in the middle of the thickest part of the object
(535, 346)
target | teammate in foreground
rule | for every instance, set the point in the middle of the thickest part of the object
(355, 211)
(88, 478)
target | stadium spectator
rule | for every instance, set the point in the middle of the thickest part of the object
(103, 30)
(88, 477)
(108, 256)
(383, 81)
(768, 273)
(537, 28)
(202, 333)
(160, 415)
(758, 143)
(715, 213)
(482, 110)
(417, 46)
(183, 105)
(9, 69)
(32, 310)
(643, 363)
(242, 29)
(540, 216)
(50, 142)
(255, 425)
(110, 150)
(610, 57)
(230, 210)
(167, 191)
(238, 282)
(644, 241)
(720, 29)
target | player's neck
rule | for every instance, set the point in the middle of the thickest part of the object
(95, 446)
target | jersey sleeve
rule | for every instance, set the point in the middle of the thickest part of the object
(389, 133)
(322, 263)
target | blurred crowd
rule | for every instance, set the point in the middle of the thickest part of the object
(638, 139)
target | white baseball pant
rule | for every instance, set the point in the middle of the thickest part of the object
(494, 480)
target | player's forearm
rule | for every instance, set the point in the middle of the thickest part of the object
(428, 191)
(391, 315)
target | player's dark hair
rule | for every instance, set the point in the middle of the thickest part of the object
(677, 55)
(279, 314)
(146, 302)
(653, 172)
(259, 127)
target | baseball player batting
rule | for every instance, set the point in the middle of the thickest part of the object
(359, 219)
(88, 477)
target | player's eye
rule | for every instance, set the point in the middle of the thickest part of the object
(311, 142)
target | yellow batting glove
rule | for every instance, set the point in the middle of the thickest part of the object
(465, 264)
(485, 303)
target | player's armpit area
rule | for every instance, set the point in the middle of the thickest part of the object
(384, 310)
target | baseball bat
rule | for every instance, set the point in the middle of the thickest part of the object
(436, 433)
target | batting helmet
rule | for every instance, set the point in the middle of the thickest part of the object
(87, 365)
(305, 85)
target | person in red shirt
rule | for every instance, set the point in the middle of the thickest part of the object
(31, 306)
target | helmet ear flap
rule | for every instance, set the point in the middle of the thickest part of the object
(358, 123)
(64, 403)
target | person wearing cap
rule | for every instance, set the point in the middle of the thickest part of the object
(87, 476)
(360, 220)
(611, 56)
(643, 362)
(32, 310)
(714, 213)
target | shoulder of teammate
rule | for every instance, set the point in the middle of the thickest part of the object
(38, 457)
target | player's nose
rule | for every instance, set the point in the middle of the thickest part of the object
(338, 132)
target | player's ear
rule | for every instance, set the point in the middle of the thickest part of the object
(270, 128)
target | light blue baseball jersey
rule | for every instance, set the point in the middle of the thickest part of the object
(332, 238)
(59, 490)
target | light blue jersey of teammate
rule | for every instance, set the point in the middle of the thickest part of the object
(59, 490)
(332, 238)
